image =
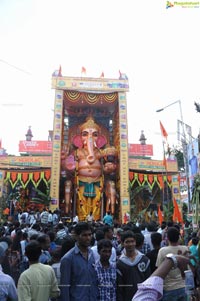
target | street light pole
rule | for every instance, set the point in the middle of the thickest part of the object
(177, 101)
(184, 145)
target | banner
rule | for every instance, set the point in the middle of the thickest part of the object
(124, 160)
(57, 140)
(38, 147)
(193, 161)
(140, 149)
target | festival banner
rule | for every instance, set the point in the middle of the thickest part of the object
(193, 153)
(124, 169)
(34, 146)
(153, 165)
(93, 84)
(56, 153)
(140, 149)
(28, 161)
(176, 189)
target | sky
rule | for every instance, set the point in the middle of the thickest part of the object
(157, 48)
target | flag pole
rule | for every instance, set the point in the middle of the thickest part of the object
(163, 194)
(164, 136)
(166, 174)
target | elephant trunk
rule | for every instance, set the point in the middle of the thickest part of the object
(91, 157)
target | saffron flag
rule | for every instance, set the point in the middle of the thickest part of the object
(163, 131)
(83, 70)
(177, 214)
(160, 216)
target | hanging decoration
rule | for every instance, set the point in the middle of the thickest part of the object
(90, 98)
(150, 179)
(25, 177)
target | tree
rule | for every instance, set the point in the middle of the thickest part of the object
(180, 159)
(178, 153)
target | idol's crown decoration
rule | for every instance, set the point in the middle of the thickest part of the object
(89, 124)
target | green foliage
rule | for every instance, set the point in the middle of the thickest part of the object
(42, 198)
(180, 158)
(13, 196)
(144, 190)
(145, 194)
(3, 205)
(168, 211)
(184, 211)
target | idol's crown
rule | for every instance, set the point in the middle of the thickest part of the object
(89, 124)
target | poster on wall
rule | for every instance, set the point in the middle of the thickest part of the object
(193, 162)
(176, 189)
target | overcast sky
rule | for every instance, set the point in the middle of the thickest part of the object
(157, 48)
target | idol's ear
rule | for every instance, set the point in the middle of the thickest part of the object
(101, 141)
(77, 141)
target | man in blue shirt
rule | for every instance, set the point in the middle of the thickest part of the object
(108, 219)
(78, 277)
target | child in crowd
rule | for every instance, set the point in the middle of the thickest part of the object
(106, 271)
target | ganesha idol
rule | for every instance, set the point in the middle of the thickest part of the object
(89, 162)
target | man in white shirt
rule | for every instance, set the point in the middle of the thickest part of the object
(44, 217)
(50, 218)
(100, 235)
(31, 218)
(90, 218)
(55, 218)
(75, 219)
(151, 227)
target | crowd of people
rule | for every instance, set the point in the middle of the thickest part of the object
(44, 257)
